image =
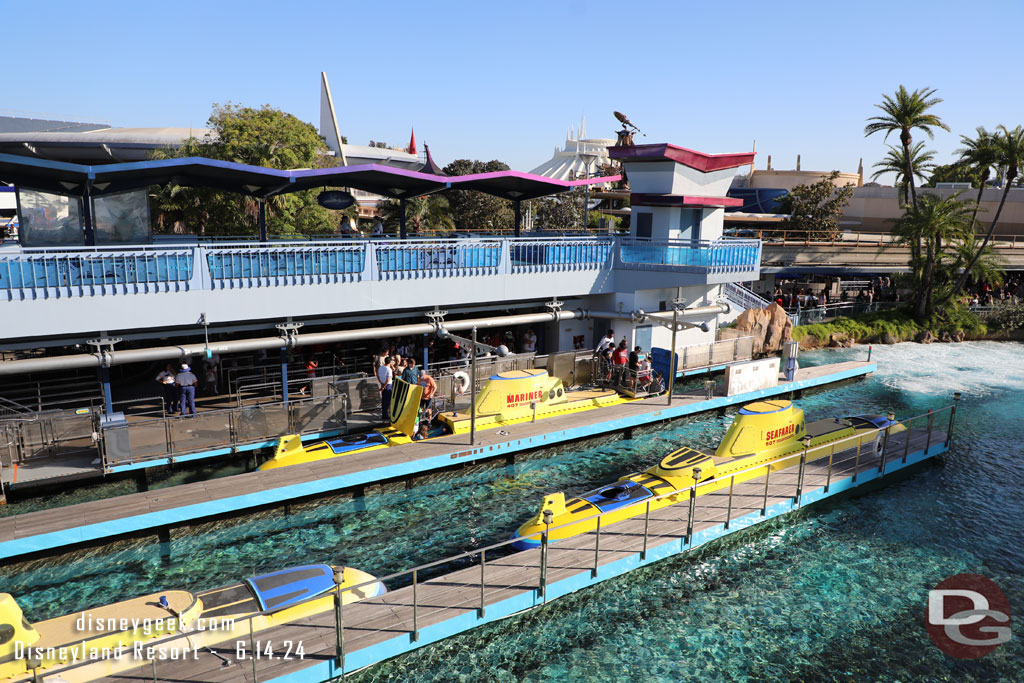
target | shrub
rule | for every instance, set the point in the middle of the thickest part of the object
(899, 323)
(1005, 318)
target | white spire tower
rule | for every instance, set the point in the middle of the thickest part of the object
(328, 120)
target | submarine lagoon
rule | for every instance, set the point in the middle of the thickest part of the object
(835, 591)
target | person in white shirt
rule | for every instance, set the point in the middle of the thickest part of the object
(385, 377)
(530, 341)
(170, 389)
(607, 342)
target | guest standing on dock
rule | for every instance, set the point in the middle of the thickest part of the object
(411, 373)
(169, 387)
(385, 376)
(607, 342)
(429, 387)
(187, 383)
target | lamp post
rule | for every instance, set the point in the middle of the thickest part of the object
(587, 158)
(339, 620)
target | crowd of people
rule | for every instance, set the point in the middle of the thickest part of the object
(987, 294)
(792, 297)
(620, 367)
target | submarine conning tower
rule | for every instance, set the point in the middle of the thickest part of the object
(761, 426)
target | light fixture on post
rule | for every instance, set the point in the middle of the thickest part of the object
(587, 158)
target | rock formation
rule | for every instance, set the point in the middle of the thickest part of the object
(770, 327)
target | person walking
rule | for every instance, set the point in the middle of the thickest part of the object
(169, 388)
(187, 383)
(607, 342)
(385, 377)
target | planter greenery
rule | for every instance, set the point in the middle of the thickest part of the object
(900, 325)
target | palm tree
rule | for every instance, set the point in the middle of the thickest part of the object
(430, 212)
(905, 112)
(895, 162)
(988, 268)
(928, 229)
(1009, 154)
(979, 154)
(421, 213)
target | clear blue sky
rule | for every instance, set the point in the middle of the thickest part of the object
(505, 80)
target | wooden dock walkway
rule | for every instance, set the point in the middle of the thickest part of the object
(108, 518)
(436, 608)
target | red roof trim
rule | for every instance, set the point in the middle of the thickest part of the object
(700, 161)
(636, 199)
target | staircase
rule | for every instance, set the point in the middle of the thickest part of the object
(742, 298)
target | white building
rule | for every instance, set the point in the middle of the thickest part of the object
(567, 163)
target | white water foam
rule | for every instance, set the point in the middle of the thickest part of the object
(940, 369)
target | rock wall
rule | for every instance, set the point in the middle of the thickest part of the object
(770, 327)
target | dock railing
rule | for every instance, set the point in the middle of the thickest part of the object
(228, 429)
(843, 457)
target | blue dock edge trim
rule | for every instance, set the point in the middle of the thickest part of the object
(186, 513)
(401, 644)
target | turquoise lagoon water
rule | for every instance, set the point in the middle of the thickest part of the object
(834, 592)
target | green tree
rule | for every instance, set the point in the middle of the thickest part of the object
(895, 162)
(978, 154)
(952, 173)
(561, 211)
(1008, 148)
(905, 112)
(815, 209)
(260, 137)
(422, 213)
(472, 210)
(931, 228)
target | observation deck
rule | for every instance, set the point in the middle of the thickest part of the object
(49, 292)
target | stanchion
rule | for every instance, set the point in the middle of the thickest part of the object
(891, 416)
(693, 505)
(548, 518)
(800, 475)
(952, 417)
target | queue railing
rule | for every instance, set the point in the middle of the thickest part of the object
(176, 435)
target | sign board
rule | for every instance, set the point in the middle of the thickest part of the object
(759, 374)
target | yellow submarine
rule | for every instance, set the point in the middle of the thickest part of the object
(109, 639)
(762, 432)
(524, 395)
(506, 398)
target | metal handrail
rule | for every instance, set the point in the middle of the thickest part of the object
(231, 438)
(879, 239)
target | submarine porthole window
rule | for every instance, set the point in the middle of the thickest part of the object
(6, 633)
(25, 624)
(551, 394)
(559, 392)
